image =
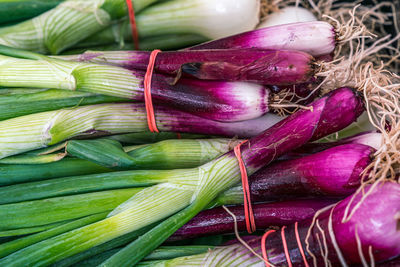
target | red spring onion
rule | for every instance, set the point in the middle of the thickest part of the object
(333, 172)
(277, 67)
(316, 38)
(218, 221)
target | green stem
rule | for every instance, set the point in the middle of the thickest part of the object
(141, 247)
(161, 253)
(13, 174)
(18, 10)
(29, 230)
(35, 101)
(30, 213)
(12, 246)
(114, 243)
(85, 184)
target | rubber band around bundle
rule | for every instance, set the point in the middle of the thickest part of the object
(264, 248)
(285, 247)
(248, 210)
(132, 21)
(151, 120)
(296, 230)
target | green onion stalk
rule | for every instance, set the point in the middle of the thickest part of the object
(180, 198)
(34, 131)
(18, 102)
(66, 24)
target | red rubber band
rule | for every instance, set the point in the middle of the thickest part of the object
(285, 247)
(296, 230)
(264, 248)
(132, 20)
(151, 120)
(248, 210)
(178, 135)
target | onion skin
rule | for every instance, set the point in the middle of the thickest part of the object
(316, 38)
(218, 221)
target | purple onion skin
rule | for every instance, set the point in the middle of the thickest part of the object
(316, 38)
(278, 67)
(218, 221)
(376, 227)
(334, 172)
(331, 113)
(216, 100)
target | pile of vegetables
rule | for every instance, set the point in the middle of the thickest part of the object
(267, 139)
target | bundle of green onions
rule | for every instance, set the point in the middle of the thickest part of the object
(85, 180)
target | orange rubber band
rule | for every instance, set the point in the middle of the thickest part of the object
(296, 230)
(264, 248)
(285, 247)
(151, 120)
(248, 210)
(132, 20)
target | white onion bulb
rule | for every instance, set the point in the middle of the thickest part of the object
(287, 15)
